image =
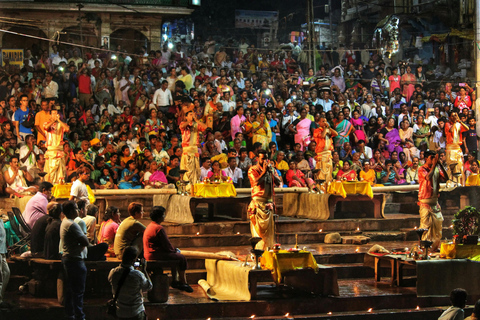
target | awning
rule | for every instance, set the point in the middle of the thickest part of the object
(440, 37)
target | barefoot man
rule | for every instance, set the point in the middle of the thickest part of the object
(55, 159)
(263, 179)
(431, 218)
(190, 128)
(323, 137)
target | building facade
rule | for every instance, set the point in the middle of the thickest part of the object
(132, 24)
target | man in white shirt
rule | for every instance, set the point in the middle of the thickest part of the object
(28, 153)
(205, 168)
(233, 172)
(161, 156)
(227, 104)
(326, 103)
(91, 62)
(368, 105)
(79, 189)
(365, 151)
(243, 46)
(163, 97)
(50, 87)
(59, 58)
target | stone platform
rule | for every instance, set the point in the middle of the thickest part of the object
(358, 293)
(358, 290)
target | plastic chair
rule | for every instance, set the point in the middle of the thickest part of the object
(18, 214)
(22, 235)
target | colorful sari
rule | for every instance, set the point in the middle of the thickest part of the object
(303, 133)
(235, 125)
(423, 130)
(264, 136)
(393, 141)
(358, 126)
(343, 129)
(408, 89)
(368, 176)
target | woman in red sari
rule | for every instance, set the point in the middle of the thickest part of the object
(346, 173)
(296, 178)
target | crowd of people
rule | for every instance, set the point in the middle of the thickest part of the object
(119, 116)
(69, 232)
(109, 119)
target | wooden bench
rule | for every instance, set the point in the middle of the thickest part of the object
(377, 201)
(49, 274)
(233, 207)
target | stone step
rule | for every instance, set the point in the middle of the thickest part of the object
(226, 240)
(385, 235)
(294, 225)
(344, 271)
(337, 258)
(383, 314)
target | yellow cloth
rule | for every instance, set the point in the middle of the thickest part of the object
(459, 251)
(282, 166)
(368, 176)
(344, 188)
(212, 190)
(473, 180)
(62, 191)
(226, 280)
(285, 260)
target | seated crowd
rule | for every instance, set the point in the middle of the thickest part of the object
(124, 112)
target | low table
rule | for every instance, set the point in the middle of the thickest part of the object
(397, 263)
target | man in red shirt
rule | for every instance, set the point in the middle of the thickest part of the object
(453, 130)
(429, 176)
(157, 246)
(290, 63)
(84, 86)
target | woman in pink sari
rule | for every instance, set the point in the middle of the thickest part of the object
(357, 123)
(301, 129)
(237, 122)
(408, 83)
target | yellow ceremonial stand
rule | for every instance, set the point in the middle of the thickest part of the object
(460, 251)
(283, 260)
(473, 180)
(214, 190)
(343, 188)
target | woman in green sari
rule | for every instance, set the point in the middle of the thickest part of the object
(421, 132)
(343, 128)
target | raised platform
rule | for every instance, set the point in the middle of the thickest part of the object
(358, 293)
(358, 290)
